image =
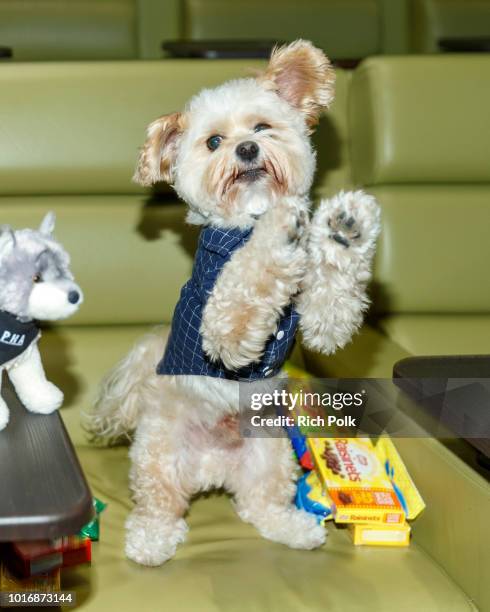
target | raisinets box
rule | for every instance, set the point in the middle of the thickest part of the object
(356, 475)
(380, 535)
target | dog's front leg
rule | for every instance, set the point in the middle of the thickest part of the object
(254, 287)
(34, 391)
(264, 487)
(341, 245)
(4, 411)
(156, 525)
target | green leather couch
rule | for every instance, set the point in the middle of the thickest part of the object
(347, 29)
(45, 30)
(419, 143)
(40, 30)
(417, 139)
(432, 20)
(69, 140)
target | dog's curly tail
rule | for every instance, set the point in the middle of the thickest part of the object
(123, 391)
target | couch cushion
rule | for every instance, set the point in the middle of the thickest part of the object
(370, 354)
(130, 257)
(451, 490)
(157, 22)
(331, 142)
(434, 250)
(225, 565)
(436, 19)
(76, 129)
(348, 29)
(436, 334)
(69, 30)
(395, 26)
(420, 120)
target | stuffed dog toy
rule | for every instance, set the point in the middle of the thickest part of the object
(240, 156)
(35, 283)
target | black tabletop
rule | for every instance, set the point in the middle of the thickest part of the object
(425, 379)
(43, 491)
(474, 44)
(220, 49)
(5, 52)
(443, 366)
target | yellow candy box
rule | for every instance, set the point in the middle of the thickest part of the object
(367, 484)
(380, 535)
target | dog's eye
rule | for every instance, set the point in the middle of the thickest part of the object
(37, 278)
(262, 126)
(213, 142)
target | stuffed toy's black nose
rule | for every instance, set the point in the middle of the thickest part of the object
(247, 151)
(73, 297)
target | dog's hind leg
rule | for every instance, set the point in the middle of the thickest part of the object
(156, 525)
(263, 483)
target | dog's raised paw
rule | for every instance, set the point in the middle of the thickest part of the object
(350, 219)
(297, 228)
(344, 229)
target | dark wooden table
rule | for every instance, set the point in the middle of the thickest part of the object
(43, 492)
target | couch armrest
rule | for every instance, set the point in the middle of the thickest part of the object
(454, 528)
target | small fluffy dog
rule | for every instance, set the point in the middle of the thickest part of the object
(35, 283)
(241, 157)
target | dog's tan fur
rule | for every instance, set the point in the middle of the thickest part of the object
(186, 437)
(303, 76)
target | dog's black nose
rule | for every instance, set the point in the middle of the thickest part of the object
(247, 151)
(73, 297)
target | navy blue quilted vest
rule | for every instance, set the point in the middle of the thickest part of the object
(184, 353)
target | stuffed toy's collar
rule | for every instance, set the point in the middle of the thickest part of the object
(15, 336)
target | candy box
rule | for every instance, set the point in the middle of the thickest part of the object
(312, 497)
(300, 446)
(47, 582)
(380, 535)
(35, 557)
(297, 435)
(356, 480)
(404, 487)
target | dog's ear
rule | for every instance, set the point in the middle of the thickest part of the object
(7, 239)
(157, 156)
(302, 75)
(47, 224)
